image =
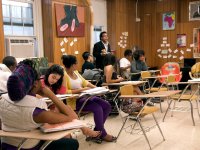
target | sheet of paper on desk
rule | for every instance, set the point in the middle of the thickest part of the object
(60, 96)
(75, 124)
(94, 91)
(131, 82)
(194, 80)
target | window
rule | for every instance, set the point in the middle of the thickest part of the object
(97, 31)
(18, 17)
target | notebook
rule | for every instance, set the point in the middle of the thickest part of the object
(75, 124)
(95, 91)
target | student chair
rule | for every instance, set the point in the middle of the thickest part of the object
(138, 116)
(195, 71)
(187, 95)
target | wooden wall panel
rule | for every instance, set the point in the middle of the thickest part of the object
(2, 47)
(148, 33)
(52, 41)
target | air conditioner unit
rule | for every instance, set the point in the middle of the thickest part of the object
(20, 47)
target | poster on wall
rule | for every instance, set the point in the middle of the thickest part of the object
(69, 20)
(168, 21)
(194, 10)
(181, 40)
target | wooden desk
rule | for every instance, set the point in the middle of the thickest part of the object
(153, 95)
(125, 83)
(36, 134)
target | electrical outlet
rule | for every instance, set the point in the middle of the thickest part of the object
(137, 20)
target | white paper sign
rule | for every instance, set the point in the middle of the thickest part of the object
(169, 56)
(75, 39)
(165, 56)
(175, 51)
(182, 52)
(191, 45)
(71, 43)
(162, 45)
(165, 38)
(188, 50)
(62, 50)
(158, 50)
(61, 43)
(168, 45)
(164, 42)
(181, 57)
(65, 40)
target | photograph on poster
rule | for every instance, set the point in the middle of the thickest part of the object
(181, 40)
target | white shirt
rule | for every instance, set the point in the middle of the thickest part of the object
(76, 84)
(106, 46)
(125, 63)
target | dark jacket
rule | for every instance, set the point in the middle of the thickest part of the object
(97, 54)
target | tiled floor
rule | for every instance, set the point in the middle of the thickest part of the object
(179, 132)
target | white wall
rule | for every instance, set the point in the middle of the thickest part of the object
(100, 13)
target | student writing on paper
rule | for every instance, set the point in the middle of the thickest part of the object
(75, 85)
(20, 110)
(55, 81)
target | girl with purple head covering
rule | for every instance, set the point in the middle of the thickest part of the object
(20, 110)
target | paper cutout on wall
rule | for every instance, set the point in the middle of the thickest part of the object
(71, 43)
(61, 43)
(181, 57)
(175, 51)
(165, 56)
(182, 52)
(158, 50)
(65, 40)
(165, 38)
(75, 39)
(174, 57)
(169, 56)
(168, 45)
(164, 42)
(62, 50)
(159, 55)
(188, 50)
(162, 45)
(169, 50)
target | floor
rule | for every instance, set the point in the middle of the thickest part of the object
(178, 130)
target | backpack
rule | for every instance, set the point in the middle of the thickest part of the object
(94, 74)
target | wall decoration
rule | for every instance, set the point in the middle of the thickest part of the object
(123, 40)
(70, 20)
(181, 40)
(194, 10)
(64, 42)
(168, 21)
(196, 43)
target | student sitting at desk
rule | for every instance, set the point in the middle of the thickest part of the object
(88, 64)
(110, 74)
(75, 85)
(20, 110)
(138, 64)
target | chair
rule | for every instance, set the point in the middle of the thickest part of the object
(195, 71)
(171, 68)
(184, 97)
(138, 116)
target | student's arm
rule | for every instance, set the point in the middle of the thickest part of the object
(108, 73)
(64, 109)
(51, 117)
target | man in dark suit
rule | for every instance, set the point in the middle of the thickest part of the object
(100, 49)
